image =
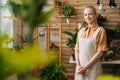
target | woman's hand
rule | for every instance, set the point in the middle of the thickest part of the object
(78, 69)
(82, 70)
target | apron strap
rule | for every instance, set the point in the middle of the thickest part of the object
(96, 32)
(81, 31)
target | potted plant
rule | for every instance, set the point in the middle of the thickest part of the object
(68, 11)
(54, 50)
(72, 40)
(108, 55)
(52, 72)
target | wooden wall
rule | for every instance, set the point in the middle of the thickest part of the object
(113, 16)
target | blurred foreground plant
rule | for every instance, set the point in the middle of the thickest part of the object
(12, 62)
(108, 77)
(31, 13)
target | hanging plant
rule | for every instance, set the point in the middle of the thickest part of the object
(101, 19)
(68, 11)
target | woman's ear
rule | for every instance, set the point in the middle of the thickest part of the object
(97, 15)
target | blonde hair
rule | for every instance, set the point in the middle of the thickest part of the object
(93, 8)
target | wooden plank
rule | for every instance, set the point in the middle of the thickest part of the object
(113, 20)
(113, 17)
(79, 5)
(64, 29)
(87, 1)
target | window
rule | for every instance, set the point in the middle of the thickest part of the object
(6, 24)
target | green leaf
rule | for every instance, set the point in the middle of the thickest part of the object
(68, 10)
(68, 33)
(45, 17)
(72, 40)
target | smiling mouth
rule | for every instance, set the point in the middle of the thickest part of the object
(88, 19)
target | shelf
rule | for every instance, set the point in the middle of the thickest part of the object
(71, 60)
(117, 61)
(62, 16)
(10, 17)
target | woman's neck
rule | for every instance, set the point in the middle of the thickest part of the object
(92, 25)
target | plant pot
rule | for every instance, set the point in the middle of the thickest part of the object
(70, 78)
(73, 56)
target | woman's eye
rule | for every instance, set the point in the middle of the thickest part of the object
(91, 14)
(85, 14)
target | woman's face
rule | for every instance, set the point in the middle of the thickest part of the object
(89, 15)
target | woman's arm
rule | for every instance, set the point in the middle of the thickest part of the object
(77, 58)
(76, 49)
(92, 61)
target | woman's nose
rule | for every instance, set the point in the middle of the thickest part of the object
(87, 16)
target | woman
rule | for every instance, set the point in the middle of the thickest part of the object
(90, 45)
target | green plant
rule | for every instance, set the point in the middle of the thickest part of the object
(118, 27)
(108, 77)
(73, 36)
(31, 13)
(24, 38)
(101, 20)
(54, 48)
(13, 63)
(113, 34)
(52, 72)
(68, 10)
(17, 48)
(110, 53)
(14, 7)
(72, 40)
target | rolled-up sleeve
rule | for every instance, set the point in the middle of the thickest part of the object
(102, 40)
